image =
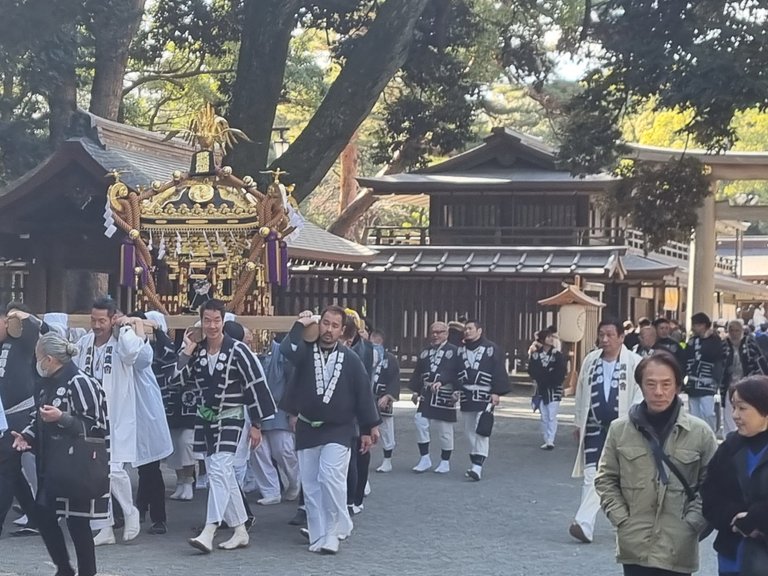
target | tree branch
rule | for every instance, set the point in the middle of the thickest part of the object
(378, 55)
(171, 77)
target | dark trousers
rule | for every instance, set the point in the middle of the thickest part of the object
(12, 480)
(82, 538)
(634, 570)
(151, 493)
(363, 463)
(352, 473)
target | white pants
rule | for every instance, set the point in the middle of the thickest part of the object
(387, 430)
(280, 446)
(444, 431)
(590, 503)
(224, 499)
(182, 439)
(324, 479)
(703, 407)
(549, 421)
(477, 444)
(120, 488)
(728, 424)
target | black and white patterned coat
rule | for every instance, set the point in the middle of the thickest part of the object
(441, 364)
(237, 382)
(484, 373)
(84, 404)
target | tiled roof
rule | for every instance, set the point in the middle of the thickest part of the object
(143, 156)
(591, 261)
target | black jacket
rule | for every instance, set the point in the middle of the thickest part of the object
(728, 490)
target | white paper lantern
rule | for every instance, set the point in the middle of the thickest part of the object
(571, 321)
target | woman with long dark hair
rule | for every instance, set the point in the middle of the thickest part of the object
(735, 491)
(70, 403)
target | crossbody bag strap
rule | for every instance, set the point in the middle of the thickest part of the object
(689, 492)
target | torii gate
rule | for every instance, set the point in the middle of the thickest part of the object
(730, 166)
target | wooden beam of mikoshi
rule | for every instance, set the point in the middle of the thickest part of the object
(255, 323)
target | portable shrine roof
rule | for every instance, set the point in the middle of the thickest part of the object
(99, 146)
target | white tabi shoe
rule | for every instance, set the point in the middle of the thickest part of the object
(424, 464)
(105, 537)
(21, 521)
(132, 525)
(204, 542)
(386, 466)
(475, 473)
(239, 539)
(292, 493)
(269, 501)
(187, 492)
(357, 509)
(177, 492)
(330, 545)
(367, 489)
(443, 468)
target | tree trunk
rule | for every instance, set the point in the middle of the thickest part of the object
(264, 42)
(114, 24)
(62, 103)
(351, 213)
(376, 58)
(348, 183)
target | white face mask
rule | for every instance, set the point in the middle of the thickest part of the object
(40, 369)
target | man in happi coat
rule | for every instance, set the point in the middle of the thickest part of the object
(605, 390)
(229, 381)
(117, 353)
(330, 398)
(17, 378)
(386, 389)
(435, 382)
(482, 382)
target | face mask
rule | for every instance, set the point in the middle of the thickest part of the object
(40, 369)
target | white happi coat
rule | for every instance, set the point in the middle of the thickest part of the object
(629, 394)
(138, 427)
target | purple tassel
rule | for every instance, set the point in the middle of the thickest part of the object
(127, 264)
(276, 260)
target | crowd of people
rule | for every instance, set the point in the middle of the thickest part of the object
(652, 466)
(298, 423)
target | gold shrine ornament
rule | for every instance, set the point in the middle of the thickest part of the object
(201, 193)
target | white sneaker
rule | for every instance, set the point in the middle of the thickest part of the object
(202, 482)
(269, 501)
(386, 466)
(444, 467)
(105, 537)
(239, 539)
(425, 463)
(21, 521)
(367, 489)
(132, 525)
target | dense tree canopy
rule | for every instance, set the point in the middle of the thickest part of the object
(408, 80)
(704, 59)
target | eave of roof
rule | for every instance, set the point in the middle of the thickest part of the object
(600, 261)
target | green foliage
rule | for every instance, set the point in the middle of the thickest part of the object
(660, 201)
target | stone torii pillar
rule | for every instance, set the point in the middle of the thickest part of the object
(701, 260)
